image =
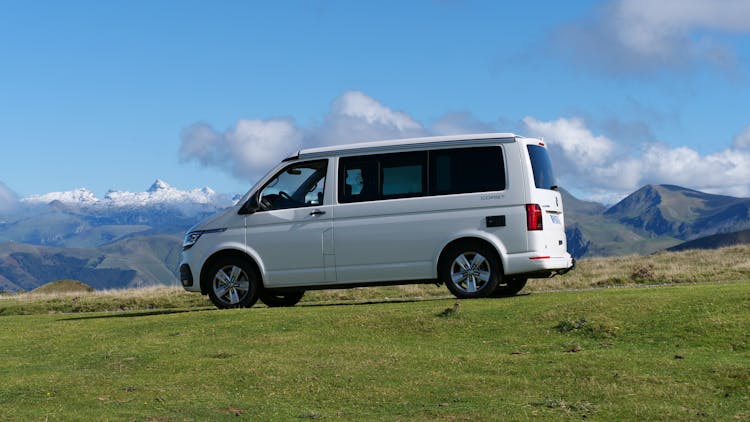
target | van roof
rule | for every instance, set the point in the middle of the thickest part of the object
(377, 146)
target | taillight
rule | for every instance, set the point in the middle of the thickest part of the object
(534, 217)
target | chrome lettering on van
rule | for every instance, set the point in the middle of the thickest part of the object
(491, 197)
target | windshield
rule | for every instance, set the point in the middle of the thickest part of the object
(544, 177)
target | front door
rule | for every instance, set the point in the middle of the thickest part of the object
(289, 229)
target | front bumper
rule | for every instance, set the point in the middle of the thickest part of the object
(186, 276)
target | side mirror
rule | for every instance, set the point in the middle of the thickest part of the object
(250, 207)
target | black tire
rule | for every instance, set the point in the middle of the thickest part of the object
(275, 300)
(233, 283)
(509, 286)
(470, 270)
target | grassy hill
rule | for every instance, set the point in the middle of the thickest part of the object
(666, 353)
(63, 286)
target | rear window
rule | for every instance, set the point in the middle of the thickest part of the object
(466, 170)
(544, 177)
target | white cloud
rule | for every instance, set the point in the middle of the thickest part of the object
(645, 35)
(724, 171)
(252, 146)
(246, 150)
(574, 138)
(356, 117)
(594, 163)
(356, 105)
(742, 141)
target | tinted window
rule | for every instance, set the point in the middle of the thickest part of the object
(384, 176)
(403, 175)
(544, 177)
(465, 170)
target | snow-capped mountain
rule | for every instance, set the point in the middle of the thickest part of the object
(79, 218)
(122, 239)
(77, 196)
(160, 193)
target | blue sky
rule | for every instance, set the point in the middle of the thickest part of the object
(112, 95)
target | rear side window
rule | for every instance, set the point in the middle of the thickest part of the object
(422, 173)
(544, 177)
(466, 170)
(384, 176)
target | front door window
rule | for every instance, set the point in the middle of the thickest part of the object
(299, 185)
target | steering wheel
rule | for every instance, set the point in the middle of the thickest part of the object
(286, 196)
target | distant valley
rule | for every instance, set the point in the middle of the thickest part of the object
(131, 239)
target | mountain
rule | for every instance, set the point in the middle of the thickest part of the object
(653, 218)
(681, 213)
(79, 219)
(160, 193)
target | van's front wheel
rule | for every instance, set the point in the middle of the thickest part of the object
(470, 271)
(233, 284)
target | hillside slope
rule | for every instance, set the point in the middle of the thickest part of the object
(138, 261)
(715, 241)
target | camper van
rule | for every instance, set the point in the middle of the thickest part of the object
(480, 214)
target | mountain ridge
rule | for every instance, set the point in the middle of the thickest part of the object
(159, 193)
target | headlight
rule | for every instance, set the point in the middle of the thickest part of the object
(190, 239)
(193, 237)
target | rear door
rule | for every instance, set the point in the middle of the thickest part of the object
(549, 237)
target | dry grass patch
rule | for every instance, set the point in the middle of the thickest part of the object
(726, 264)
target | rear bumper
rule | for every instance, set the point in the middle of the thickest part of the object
(534, 262)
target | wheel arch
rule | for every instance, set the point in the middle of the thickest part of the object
(227, 253)
(493, 245)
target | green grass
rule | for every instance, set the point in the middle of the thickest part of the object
(663, 353)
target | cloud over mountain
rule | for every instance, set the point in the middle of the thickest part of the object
(595, 163)
(600, 165)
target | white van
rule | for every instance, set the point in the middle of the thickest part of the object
(478, 213)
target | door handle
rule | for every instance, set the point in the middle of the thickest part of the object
(317, 212)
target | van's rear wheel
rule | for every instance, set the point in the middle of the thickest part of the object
(509, 286)
(233, 283)
(275, 300)
(470, 270)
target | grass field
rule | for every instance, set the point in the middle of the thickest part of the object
(727, 264)
(660, 353)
